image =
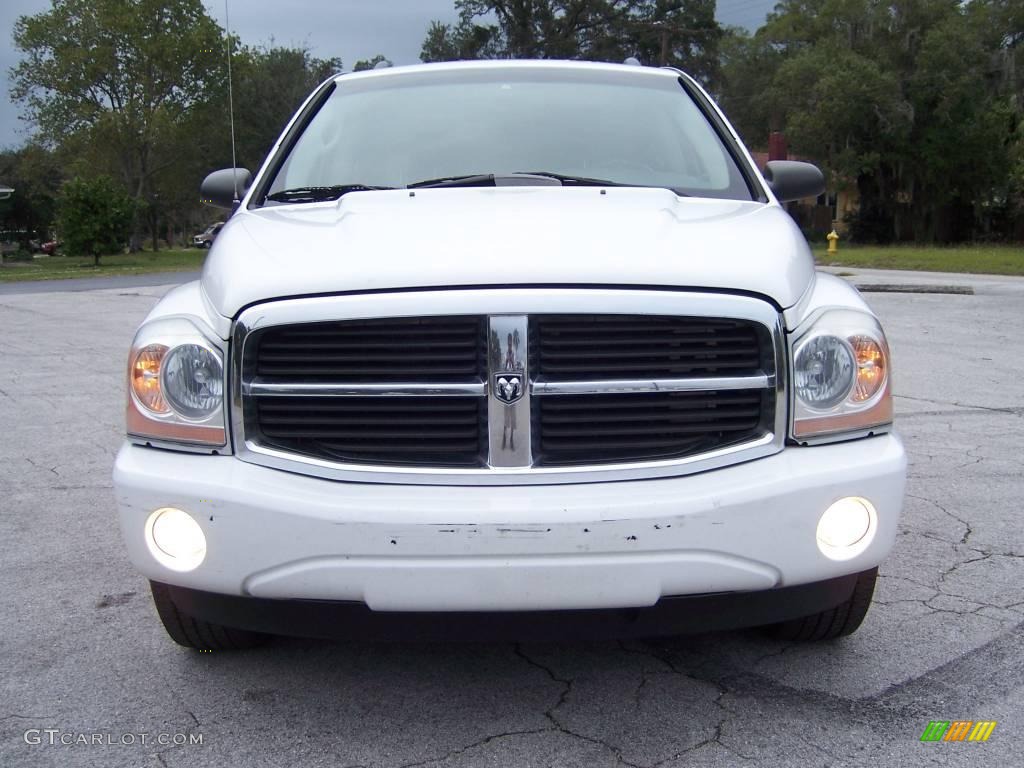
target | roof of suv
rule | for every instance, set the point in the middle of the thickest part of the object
(514, 64)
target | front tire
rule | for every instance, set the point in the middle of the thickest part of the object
(190, 632)
(836, 622)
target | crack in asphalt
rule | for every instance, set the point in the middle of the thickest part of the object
(461, 750)
(964, 523)
(1010, 409)
(650, 651)
(671, 668)
(957, 566)
(563, 696)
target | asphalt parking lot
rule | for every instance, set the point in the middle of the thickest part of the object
(84, 653)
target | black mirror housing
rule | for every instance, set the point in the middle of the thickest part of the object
(793, 180)
(218, 189)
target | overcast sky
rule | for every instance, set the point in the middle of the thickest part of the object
(349, 29)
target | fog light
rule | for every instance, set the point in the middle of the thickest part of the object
(847, 528)
(175, 539)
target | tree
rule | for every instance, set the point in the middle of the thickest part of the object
(364, 64)
(95, 217)
(676, 33)
(270, 84)
(911, 102)
(35, 175)
(461, 42)
(117, 77)
(680, 33)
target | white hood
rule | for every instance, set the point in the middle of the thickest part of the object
(499, 236)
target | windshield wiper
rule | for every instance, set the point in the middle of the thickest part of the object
(584, 181)
(576, 181)
(519, 178)
(319, 194)
(466, 180)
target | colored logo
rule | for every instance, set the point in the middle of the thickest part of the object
(958, 730)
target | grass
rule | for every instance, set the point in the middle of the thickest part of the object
(64, 267)
(978, 259)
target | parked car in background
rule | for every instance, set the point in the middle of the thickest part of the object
(512, 339)
(205, 239)
(50, 247)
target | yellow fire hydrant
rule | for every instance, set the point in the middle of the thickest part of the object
(833, 238)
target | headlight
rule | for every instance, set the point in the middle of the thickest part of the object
(841, 376)
(176, 384)
(193, 381)
(824, 371)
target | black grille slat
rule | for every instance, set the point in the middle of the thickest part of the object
(368, 429)
(410, 350)
(362, 357)
(593, 347)
(363, 373)
(572, 430)
(435, 431)
(553, 340)
(632, 353)
(666, 368)
(575, 430)
(614, 433)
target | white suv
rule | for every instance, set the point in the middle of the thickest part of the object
(507, 347)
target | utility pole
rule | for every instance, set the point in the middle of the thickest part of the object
(665, 31)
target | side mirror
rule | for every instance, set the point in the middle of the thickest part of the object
(218, 189)
(792, 180)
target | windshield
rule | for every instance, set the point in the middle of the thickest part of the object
(402, 129)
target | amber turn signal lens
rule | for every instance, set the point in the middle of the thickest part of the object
(145, 375)
(870, 367)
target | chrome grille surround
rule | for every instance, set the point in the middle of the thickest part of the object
(506, 310)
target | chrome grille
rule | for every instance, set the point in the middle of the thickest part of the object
(490, 397)
(581, 429)
(300, 372)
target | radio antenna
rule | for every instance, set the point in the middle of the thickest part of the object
(231, 104)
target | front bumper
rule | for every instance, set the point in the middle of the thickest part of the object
(272, 534)
(670, 616)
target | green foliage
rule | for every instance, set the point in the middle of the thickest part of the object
(681, 33)
(914, 103)
(675, 33)
(34, 174)
(95, 217)
(118, 70)
(364, 64)
(270, 84)
(137, 89)
(113, 83)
